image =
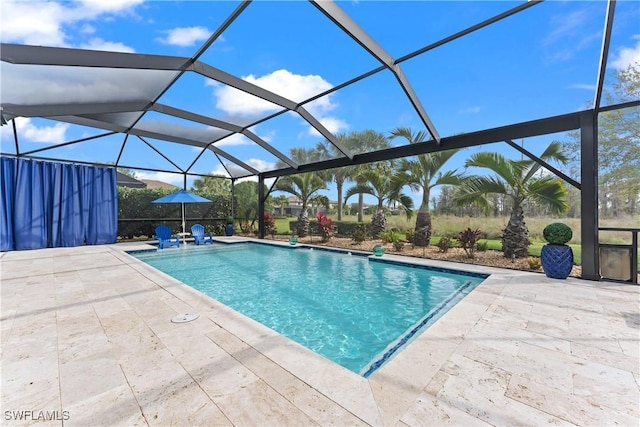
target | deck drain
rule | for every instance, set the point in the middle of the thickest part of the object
(185, 317)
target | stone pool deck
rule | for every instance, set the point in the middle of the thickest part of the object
(87, 339)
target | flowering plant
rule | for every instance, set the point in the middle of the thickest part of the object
(269, 224)
(326, 225)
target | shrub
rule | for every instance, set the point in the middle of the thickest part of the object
(398, 245)
(359, 234)
(326, 225)
(482, 246)
(408, 235)
(468, 239)
(269, 224)
(444, 244)
(534, 263)
(557, 233)
(388, 236)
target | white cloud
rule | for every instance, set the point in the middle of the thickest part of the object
(583, 86)
(185, 36)
(36, 23)
(258, 164)
(470, 110)
(261, 165)
(96, 7)
(294, 87)
(44, 23)
(333, 125)
(626, 56)
(234, 139)
(27, 131)
(97, 43)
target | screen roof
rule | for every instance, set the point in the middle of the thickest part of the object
(242, 88)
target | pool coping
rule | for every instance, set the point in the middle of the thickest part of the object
(519, 349)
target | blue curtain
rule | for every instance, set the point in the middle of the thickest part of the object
(7, 184)
(101, 226)
(29, 215)
(45, 204)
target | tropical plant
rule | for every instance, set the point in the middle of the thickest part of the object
(269, 224)
(422, 173)
(386, 191)
(359, 235)
(246, 204)
(305, 187)
(534, 263)
(327, 226)
(210, 185)
(519, 180)
(482, 246)
(557, 233)
(468, 239)
(340, 176)
(359, 142)
(444, 244)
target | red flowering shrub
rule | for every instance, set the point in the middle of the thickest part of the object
(269, 224)
(327, 226)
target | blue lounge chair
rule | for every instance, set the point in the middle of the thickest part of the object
(163, 234)
(197, 231)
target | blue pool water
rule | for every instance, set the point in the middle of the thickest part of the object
(355, 310)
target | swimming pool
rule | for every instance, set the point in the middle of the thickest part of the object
(355, 310)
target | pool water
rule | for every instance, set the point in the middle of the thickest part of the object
(352, 309)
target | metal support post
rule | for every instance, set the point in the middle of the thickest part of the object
(589, 194)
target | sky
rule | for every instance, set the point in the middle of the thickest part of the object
(538, 63)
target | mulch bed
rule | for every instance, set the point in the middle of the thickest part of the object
(488, 258)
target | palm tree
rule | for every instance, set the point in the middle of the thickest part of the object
(423, 173)
(305, 187)
(519, 181)
(339, 175)
(380, 185)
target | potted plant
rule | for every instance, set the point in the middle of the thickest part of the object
(556, 255)
(228, 229)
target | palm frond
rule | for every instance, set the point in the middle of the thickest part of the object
(548, 191)
(358, 189)
(474, 190)
(448, 178)
(554, 152)
(508, 170)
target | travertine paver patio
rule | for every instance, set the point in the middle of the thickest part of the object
(87, 338)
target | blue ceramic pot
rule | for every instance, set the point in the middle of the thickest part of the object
(557, 260)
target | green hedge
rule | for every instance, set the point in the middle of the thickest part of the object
(138, 216)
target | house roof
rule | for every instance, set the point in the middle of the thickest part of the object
(127, 181)
(151, 183)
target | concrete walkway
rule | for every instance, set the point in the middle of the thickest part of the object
(87, 339)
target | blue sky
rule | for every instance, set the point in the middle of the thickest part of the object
(539, 63)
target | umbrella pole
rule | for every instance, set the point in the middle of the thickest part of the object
(184, 235)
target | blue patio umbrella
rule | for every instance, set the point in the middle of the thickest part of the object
(182, 197)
